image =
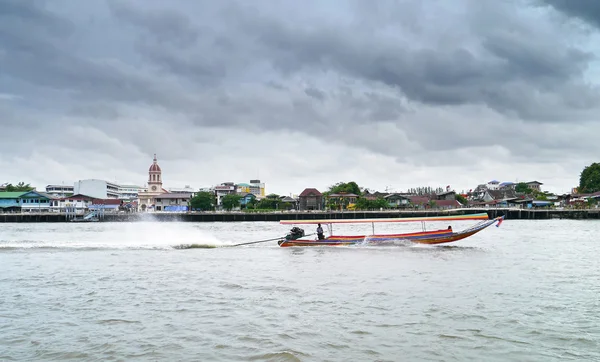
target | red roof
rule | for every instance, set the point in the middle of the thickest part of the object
(419, 199)
(310, 192)
(107, 201)
(154, 167)
(444, 203)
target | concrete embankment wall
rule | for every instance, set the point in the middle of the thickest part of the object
(518, 214)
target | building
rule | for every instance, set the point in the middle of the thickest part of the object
(129, 192)
(60, 190)
(448, 195)
(254, 187)
(534, 185)
(182, 190)
(493, 185)
(75, 203)
(30, 201)
(310, 199)
(397, 200)
(341, 200)
(34, 201)
(257, 188)
(172, 202)
(10, 202)
(223, 189)
(155, 188)
(98, 189)
(246, 199)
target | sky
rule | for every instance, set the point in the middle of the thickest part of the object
(389, 94)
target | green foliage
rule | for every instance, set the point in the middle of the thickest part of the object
(20, 187)
(347, 187)
(523, 188)
(589, 180)
(364, 204)
(230, 201)
(273, 202)
(461, 199)
(252, 203)
(203, 201)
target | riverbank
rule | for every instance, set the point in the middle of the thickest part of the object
(509, 213)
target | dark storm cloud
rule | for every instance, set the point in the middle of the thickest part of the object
(400, 78)
(501, 68)
(586, 10)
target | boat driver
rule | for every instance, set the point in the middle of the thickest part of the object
(320, 234)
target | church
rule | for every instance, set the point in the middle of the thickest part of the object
(155, 187)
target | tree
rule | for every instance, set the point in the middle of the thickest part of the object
(20, 187)
(364, 204)
(380, 203)
(589, 180)
(461, 199)
(347, 187)
(230, 201)
(523, 188)
(203, 201)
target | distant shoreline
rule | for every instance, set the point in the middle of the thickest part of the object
(509, 213)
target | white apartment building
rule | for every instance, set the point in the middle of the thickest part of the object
(129, 192)
(182, 190)
(223, 189)
(59, 190)
(98, 189)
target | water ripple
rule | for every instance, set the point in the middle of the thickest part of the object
(119, 292)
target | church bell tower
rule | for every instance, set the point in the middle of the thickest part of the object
(155, 177)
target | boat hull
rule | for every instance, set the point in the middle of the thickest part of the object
(371, 239)
(425, 237)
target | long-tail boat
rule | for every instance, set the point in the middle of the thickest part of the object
(294, 238)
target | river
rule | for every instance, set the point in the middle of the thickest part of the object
(526, 291)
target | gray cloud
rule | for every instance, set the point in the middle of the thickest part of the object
(399, 87)
(586, 10)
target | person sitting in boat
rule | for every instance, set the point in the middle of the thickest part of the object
(450, 227)
(320, 234)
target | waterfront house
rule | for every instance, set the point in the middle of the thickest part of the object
(223, 189)
(172, 202)
(341, 200)
(77, 203)
(397, 200)
(107, 205)
(448, 195)
(35, 201)
(246, 198)
(10, 201)
(446, 204)
(291, 201)
(310, 199)
(419, 202)
(534, 185)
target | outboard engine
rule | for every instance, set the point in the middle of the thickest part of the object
(295, 233)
